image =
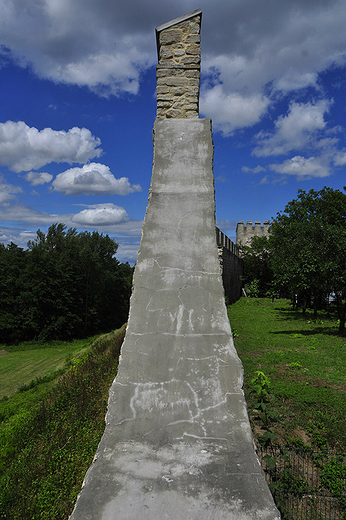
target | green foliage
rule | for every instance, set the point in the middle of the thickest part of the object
(307, 247)
(47, 448)
(333, 477)
(257, 271)
(65, 285)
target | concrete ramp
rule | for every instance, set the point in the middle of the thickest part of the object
(177, 443)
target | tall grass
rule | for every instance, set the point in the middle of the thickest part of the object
(46, 450)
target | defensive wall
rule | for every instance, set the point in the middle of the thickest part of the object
(232, 266)
(178, 442)
(245, 233)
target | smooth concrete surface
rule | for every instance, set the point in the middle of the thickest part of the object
(177, 443)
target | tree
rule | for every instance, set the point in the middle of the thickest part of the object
(257, 271)
(65, 285)
(307, 249)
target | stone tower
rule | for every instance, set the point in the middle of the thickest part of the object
(177, 443)
(245, 233)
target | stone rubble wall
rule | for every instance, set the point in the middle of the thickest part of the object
(178, 70)
(231, 266)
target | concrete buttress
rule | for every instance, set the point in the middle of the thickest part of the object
(177, 443)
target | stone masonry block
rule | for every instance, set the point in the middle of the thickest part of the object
(194, 28)
(164, 97)
(193, 73)
(191, 60)
(162, 73)
(179, 52)
(173, 113)
(193, 82)
(162, 90)
(166, 53)
(191, 114)
(170, 36)
(193, 49)
(173, 82)
(192, 91)
(163, 104)
(193, 38)
(178, 91)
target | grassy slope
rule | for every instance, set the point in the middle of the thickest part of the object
(22, 363)
(48, 437)
(305, 361)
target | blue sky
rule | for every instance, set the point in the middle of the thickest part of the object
(77, 91)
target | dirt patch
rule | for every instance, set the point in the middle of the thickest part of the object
(3, 351)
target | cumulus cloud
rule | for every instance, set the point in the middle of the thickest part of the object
(284, 44)
(303, 167)
(297, 130)
(100, 215)
(23, 148)
(93, 178)
(231, 111)
(38, 178)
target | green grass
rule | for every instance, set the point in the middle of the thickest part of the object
(305, 361)
(21, 364)
(49, 433)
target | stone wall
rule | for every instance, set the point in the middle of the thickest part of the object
(231, 265)
(246, 232)
(178, 69)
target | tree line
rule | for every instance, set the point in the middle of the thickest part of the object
(304, 257)
(64, 285)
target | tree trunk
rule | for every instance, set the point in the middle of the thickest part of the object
(342, 318)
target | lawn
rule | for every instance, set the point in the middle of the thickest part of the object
(21, 364)
(305, 361)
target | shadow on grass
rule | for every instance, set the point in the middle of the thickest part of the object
(329, 331)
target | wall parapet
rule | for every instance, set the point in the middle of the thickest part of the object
(245, 232)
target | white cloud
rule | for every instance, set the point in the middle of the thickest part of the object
(107, 218)
(340, 158)
(93, 178)
(257, 169)
(297, 130)
(7, 191)
(127, 252)
(303, 167)
(231, 111)
(105, 45)
(100, 215)
(37, 178)
(23, 148)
